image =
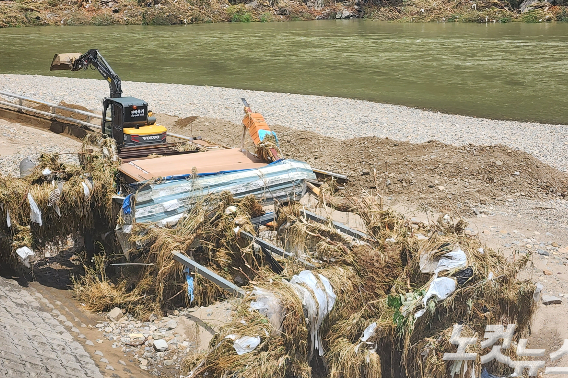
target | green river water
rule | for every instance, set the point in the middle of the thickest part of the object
(502, 71)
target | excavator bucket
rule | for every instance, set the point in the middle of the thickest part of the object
(64, 61)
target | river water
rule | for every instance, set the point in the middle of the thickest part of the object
(502, 71)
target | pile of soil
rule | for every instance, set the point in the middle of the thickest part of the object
(436, 175)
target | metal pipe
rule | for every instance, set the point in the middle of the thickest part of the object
(50, 115)
(339, 226)
(211, 276)
(53, 106)
(272, 248)
(180, 136)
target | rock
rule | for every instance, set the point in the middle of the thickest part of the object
(121, 362)
(168, 362)
(104, 360)
(252, 4)
(108, 329)
(98, 353)
(160, 345)
(115, 314)
(89, 342)
(108, 367)
(542, 252)
(547, 272)
(143, 361)
(550, 299)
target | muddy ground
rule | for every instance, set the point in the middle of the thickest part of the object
(433, 175)
(512, 201)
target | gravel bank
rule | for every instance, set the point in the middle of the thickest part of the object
(336, 117)
(18, 142)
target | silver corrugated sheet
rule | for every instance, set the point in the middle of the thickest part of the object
(166, 202)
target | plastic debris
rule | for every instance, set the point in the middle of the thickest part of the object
(8, 220)
(24, 253)
(35, 212)
(127, 205)
(538, 291)
(190, 283)
(86, 190)
(46, 172)
(464, 275)
(54, 197)
(441, 287)
(316, 311)
(452, 260)
(26, 167)
(369, 332)
(268, 305)
(246, 344)
(486, 374)
(230, 209)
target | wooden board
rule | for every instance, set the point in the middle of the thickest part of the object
(204, 162)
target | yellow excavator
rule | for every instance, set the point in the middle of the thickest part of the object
(126, 119)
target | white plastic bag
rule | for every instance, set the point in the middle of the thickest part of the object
(318, 300)
(24, 253)
(268, 305)
(35, 212)
(442, 288)
(244, 344)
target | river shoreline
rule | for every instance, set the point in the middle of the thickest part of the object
(331, 116)
(165, 12)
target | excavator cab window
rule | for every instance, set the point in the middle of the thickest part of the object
(107, 119)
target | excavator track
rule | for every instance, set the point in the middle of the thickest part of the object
(127, 154)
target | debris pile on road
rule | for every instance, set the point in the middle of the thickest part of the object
(378, 307)
(206, 234)
(55, 200)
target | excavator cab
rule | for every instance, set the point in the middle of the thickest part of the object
(127, 120)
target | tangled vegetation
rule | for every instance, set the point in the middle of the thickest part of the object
(372, 317)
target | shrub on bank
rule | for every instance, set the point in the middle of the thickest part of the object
(167, 12)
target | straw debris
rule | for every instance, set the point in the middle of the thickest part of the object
(372, 331)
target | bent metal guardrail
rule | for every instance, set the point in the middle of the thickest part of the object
(52, 115)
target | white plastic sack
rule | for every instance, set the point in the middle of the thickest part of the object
(8, 220)
(35, 213)
(86, 190)
(311, 289)
(441, 287)
(246, 344)
(451, 260)
(268, 305)
(24, 253)
(369, 332)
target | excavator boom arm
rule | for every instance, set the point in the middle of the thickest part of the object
(92, 57)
